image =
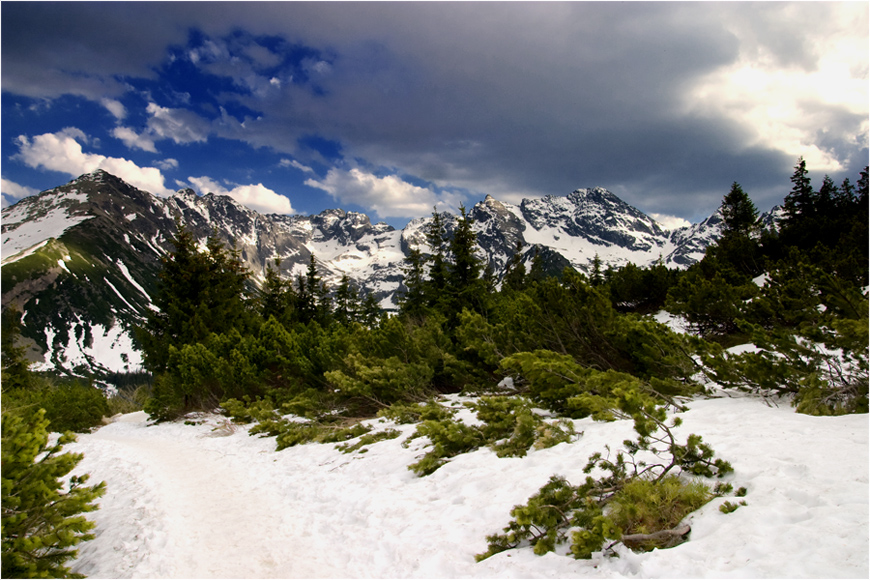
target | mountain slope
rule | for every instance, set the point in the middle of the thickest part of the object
(81, 260)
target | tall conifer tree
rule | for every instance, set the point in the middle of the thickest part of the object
(198, 293)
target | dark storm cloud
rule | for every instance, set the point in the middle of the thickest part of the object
(511, 99)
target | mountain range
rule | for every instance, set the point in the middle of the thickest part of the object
(80, 261)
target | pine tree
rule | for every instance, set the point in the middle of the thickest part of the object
(739, 214)
(42, 522)
(347, 303)
(198, 293)
(277, 297)
(413, 302)
(371, 313)
(801, 201)
(515, 277)
(436, 234)
(464, 285)
(595, 277)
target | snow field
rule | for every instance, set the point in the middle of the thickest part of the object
(182, 502)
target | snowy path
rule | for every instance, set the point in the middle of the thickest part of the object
(182, 503)
(217, 522)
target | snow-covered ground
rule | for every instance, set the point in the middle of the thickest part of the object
(193, 502)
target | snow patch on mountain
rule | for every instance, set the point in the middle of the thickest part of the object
(114, 226)
(22, 230)
(110, 349)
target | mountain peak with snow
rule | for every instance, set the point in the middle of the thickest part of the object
(114, 236)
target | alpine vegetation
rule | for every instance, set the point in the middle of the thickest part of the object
(517, 354)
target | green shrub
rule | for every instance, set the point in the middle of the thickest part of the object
(633, 497)
(404, 413)
(646, 506)
(292, 433)
(42, 522)
(510, 428)
(368, 439)
(69, 405)
(381, 382)
(551, 434)
(729, 507)
(345, 434)
(449, 438)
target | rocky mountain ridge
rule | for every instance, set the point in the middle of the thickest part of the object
(80, 260)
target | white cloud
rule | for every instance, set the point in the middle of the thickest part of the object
(256, 197)
(62, 152)
(180, 125)
(669, 222)
(12, 191)
(168, 163)
(388, 196)
(787, 107)
(133, 140)
(296, 164)
(114, 107)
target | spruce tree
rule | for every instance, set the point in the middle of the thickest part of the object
(371, 314)
(737, 248)
(515, 277)
(739, 214)
(313, 296)
(464, 286)
(347, 303)
(413, 301)
(801, 200)
(198, 293)
(436, 234)
(595, 277)
(276, 297)
(827, 196)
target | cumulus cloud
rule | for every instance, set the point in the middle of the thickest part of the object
(669, 222)
(665, 103)
(256, 197)
(12, 191)
(62, 152)
(388, 196)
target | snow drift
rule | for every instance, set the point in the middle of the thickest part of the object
(211, 501)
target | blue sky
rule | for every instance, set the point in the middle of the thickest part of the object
(393, 108)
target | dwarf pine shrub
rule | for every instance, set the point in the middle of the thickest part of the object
(639, 499)
(42, 521)
(368, 439)
(405, 413)
(510, 428)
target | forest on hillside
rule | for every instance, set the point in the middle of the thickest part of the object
(306, 363)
